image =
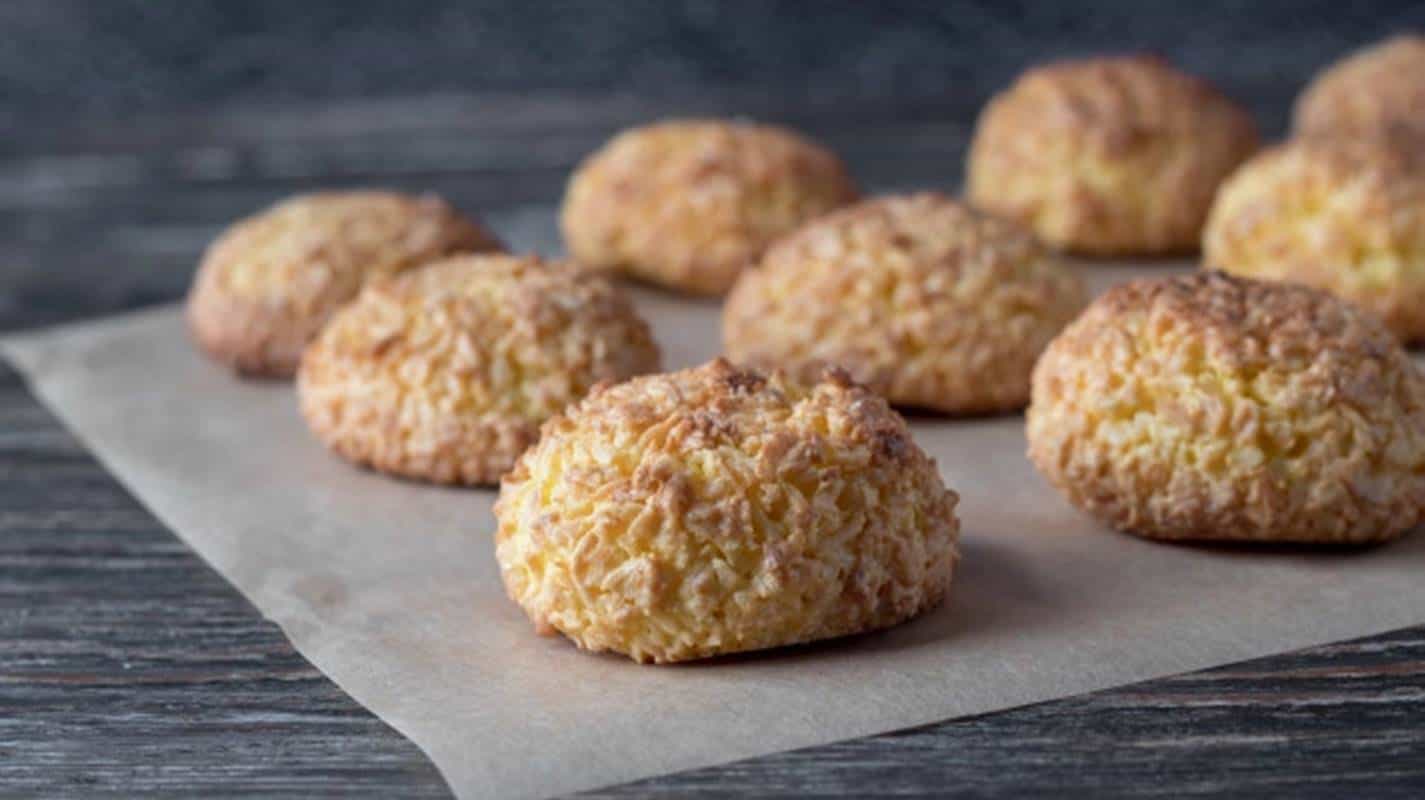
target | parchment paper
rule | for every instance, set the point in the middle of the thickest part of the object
(391, 588)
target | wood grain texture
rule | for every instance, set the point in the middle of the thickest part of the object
(128, 667)
(127, 55)
(1331, 722)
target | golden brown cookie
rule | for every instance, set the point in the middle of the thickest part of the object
(689, 204)
(1108, 156)
(1210, 407)
(269, 282)
(1377, 89)
(920, 298)
(1345, 214)
(445, 373)
(715, 510)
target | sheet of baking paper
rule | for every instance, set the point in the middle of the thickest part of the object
(391, 588)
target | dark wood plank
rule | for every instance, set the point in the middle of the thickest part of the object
(1330, 722)
(128, 667)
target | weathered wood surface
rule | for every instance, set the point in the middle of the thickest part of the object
(129, 667)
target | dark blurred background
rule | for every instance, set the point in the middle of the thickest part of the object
(131, 131)
(122, 56)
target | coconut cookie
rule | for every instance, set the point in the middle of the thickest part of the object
(688, 204)
(1376, 89)
(716, 510)
(920, 298)
(1210, 407)
(1345, 214)
(269, 283)
(445, 373)
(1108, 156)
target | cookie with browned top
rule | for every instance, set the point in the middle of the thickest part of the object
(445, 373)
(1108, 156)
(688, 204)
(922, 299)
(269, 282)
(1210, 407)
(717, 510)
(1341, 213)
(1379, 88)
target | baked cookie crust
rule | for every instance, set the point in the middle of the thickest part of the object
(1378, 89)
(688, 204)
(271, 281)
(1345, 214)
(922, 299)
(1211, 407)
(717, 510)
(1108, 156)
(445, 373)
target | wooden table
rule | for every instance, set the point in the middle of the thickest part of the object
(127, 666)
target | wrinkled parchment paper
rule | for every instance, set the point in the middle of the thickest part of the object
(391, 588)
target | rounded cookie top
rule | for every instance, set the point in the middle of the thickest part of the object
(1108, 156)
(922, 299)
(269, 282)
(1345, 214)
(1214, 407)
(718, 510)
(445, 373)
(1379, 88)
(688, 204)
